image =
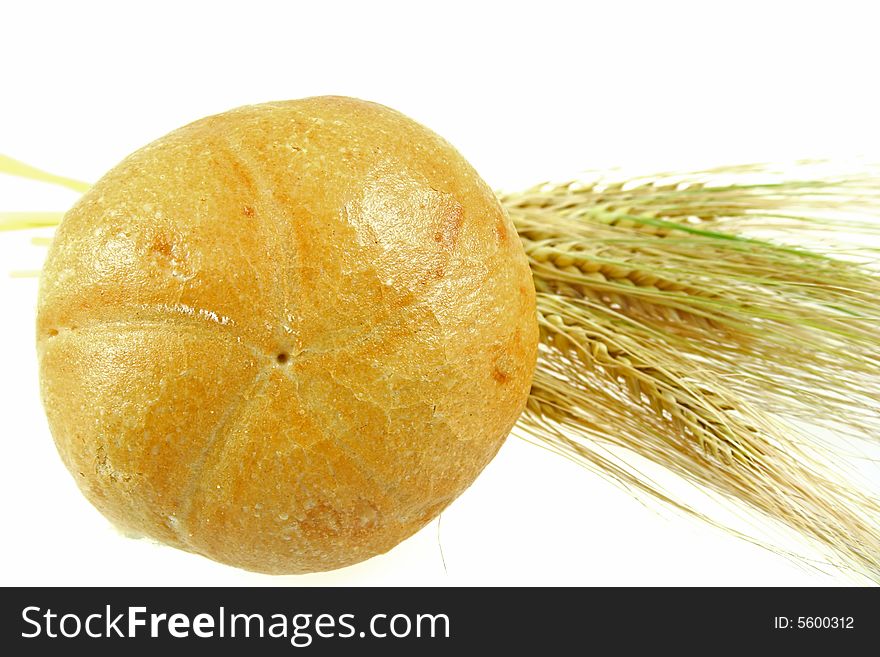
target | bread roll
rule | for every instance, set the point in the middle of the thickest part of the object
(285, 337)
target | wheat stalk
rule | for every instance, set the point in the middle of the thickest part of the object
(680, 324)
(693, 320)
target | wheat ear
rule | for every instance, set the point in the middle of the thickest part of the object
(682, 321)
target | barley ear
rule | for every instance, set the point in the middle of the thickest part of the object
(703, 322)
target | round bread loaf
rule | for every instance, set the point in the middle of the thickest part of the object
(287, 336)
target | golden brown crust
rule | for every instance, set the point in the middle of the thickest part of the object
(286, 336)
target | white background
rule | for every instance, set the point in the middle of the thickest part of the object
(527, 91)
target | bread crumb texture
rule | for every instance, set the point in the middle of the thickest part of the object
(285, 337)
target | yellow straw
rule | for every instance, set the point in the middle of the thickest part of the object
(14, 167)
